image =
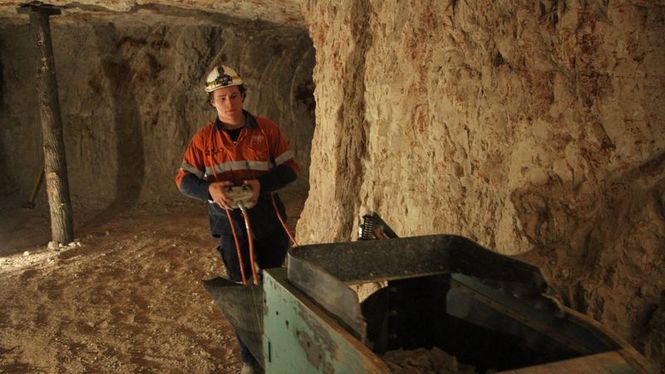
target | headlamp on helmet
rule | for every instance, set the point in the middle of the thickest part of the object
(222, 76)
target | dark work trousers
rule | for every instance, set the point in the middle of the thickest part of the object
(269, 252)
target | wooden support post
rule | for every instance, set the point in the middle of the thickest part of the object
(55, 164)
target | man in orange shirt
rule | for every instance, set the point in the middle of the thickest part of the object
(239, 149)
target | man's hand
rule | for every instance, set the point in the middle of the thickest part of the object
(217, 191)
(255, 186)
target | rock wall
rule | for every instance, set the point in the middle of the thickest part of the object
(522, 125)
(283, 12)
(132, 96)
(530, 127)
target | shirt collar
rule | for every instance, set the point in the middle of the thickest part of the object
(250, 121)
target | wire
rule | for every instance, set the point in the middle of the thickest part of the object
(235, 239)
(251, 242)
(281, 220)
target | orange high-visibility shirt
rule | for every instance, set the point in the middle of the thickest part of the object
(260, 152)
(212, 155)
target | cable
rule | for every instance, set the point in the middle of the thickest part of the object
(281, 220)
(235, 239)
(286, 227)
(251, 242)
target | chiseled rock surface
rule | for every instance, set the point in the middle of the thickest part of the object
(522, 125)
(285, 12)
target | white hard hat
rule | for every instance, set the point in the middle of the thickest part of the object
(222, 76)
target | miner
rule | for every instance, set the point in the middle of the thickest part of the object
(240, 151)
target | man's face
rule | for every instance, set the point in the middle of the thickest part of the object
(228, 102)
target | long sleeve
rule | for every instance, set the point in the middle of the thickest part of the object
(190, 176)
(286, 168)
(277, 178)
(191, 186)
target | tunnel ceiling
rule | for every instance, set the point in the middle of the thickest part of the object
(284, 12)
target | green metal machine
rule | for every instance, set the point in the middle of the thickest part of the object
(488, 310)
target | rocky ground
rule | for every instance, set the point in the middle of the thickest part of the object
(424, 361)
(126, 298)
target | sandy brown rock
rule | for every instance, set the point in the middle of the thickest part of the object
(126, 300)
(524, 126)
(286, 12)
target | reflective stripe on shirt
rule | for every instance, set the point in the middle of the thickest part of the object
(238, 165)
(187, 167)
(284, 157)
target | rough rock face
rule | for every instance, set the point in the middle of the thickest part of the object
(284, 12)
(522, 125)
(132, 97)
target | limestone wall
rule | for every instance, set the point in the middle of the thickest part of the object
(522, 125)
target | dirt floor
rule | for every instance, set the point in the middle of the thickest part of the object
(127, 298)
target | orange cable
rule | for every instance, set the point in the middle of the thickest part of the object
(251, 246)
(281, 220)
(235, 239)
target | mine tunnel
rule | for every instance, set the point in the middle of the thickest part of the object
(534, 130)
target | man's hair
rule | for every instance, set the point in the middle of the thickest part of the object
(241, 88)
